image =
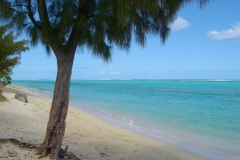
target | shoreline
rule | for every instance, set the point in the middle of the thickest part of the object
(88, 136)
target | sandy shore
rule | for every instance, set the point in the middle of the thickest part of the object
(87, 136)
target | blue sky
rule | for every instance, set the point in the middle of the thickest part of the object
(204, 44)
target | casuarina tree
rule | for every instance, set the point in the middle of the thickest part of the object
(64, 25)
(10, 51)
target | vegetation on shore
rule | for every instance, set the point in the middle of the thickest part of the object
(2, 98)
(10, 51)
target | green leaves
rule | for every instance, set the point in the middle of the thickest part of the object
(95, 24)
(9, 51)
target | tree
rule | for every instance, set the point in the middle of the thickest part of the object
(9, 52)
(63, 25)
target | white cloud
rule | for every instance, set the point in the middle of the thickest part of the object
(114, 73)
(101, 73)
(179, 24)
(231, 33)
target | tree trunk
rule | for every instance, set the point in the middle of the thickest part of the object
(56, 123)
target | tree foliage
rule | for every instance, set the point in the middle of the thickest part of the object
(95, 24)
(9, 52)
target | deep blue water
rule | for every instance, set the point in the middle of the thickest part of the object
(203, 114)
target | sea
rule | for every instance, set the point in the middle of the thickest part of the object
(200, 116)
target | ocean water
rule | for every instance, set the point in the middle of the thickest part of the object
(202, 117)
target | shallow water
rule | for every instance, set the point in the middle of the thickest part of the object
(200, 116)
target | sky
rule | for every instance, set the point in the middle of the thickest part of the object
(203, 44)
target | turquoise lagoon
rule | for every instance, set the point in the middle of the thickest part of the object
(201, 116)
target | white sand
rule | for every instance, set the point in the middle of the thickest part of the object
(87, 136)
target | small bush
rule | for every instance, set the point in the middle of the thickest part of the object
(2, 98)
(5, 80)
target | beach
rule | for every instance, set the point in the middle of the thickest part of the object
(87, 136)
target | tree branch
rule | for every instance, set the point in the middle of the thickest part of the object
(42, 9)
(47, 29)
(84, 11)
(73, 38)
(19, 5)
(30, 14)
(15, 10)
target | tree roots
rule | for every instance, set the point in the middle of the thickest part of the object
(63, 154)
